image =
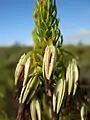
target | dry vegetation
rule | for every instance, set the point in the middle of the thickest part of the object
(8, 60)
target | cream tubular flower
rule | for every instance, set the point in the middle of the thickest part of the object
(49, 61)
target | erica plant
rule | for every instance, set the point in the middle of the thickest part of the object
(46, 78)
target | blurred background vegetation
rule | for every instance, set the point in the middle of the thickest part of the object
(9, 57)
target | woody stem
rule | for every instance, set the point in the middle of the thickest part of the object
(49, 94)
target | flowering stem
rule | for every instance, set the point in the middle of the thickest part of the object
(49, 93)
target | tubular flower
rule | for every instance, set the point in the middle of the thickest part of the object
(49, 61)
(83, 112)
(35, 110)
(59, 95)
(22, 66)
(72, 76)
(29, 90)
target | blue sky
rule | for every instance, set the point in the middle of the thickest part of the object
(16, 21)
